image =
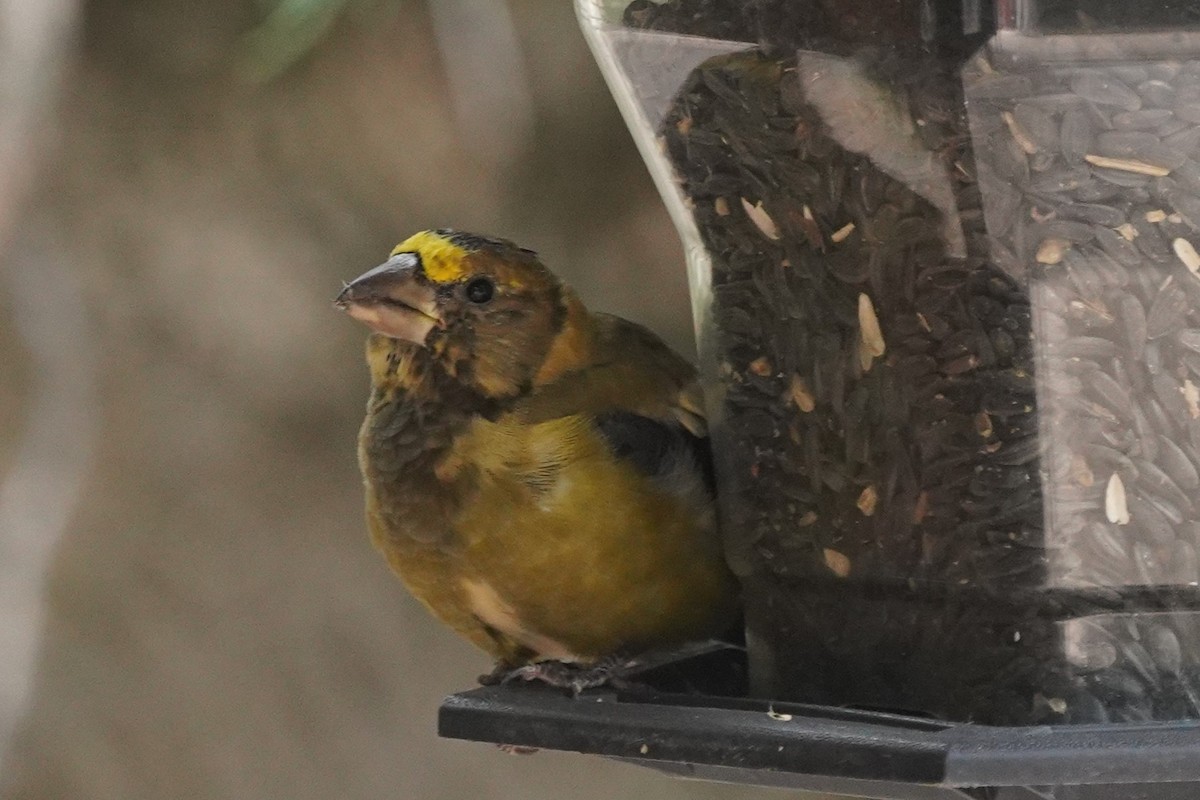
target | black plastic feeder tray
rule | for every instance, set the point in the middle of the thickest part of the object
(849, 752)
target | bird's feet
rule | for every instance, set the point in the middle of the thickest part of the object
(619, 670)
(608, 671)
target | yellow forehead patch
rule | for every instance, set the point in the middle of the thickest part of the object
(441, 258)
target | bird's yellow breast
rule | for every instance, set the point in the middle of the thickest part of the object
(567, 551)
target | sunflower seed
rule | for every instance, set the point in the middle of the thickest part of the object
(1163, 646)
(1189, 338)
(1157, 93)
(1184, 140)
(1117, 246)
(1166, 312)
(1075, 135)
(1109, 392)
(1133, 318)
(1177, 465)
(1145, 119)
(1187, 206)
(1108, 216)
(1105, 90)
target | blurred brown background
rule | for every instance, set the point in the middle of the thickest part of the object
(179, 400)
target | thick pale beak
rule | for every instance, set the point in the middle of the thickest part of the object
(393, 299)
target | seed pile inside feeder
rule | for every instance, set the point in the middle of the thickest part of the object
(958, 361)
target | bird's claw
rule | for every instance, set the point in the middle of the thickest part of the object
(619, 670)
(576, 678)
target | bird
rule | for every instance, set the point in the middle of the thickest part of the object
(538, 475)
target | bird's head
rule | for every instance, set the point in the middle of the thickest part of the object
(486, 312)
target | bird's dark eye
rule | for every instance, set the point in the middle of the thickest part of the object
(480, 290)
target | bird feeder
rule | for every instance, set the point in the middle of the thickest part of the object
(943, 258)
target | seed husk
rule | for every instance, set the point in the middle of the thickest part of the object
(761, 219)
(1116, 509)
(1127, 165)
(1191, 396)
(868, 324)
(1081, 472)
(760, 366)
(867, 500)
(801, 395)
(1187, 254)
(1022, 138)
(1051, 251)
(837, 561)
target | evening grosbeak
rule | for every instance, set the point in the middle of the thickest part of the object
(537, 475)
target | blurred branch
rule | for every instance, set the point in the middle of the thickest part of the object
(39, 491)
(485, 69)
(290, 31)
(489, 90)
(33, 41)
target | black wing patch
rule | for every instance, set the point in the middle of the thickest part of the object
(655, 448)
